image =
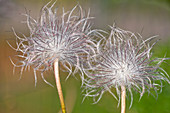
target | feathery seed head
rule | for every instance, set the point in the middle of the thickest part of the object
(65, 37)
(124, 59)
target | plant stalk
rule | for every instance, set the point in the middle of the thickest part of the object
(58, 84)
(123, 99)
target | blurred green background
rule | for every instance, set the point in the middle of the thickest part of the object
(148, 17)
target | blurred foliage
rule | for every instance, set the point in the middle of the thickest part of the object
(21, 96)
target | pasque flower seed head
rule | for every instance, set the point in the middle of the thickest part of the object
(124, 59)
(65, 37)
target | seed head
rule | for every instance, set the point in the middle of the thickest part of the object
(65, 37)
(124, 59)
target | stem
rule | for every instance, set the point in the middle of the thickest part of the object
(123, 99)
(58, 84)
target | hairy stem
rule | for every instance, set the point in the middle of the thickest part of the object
(58, 84)
(123, 99)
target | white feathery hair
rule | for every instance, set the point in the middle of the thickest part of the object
(124, 58)
(66, 37)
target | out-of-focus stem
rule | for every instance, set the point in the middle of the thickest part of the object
(58, 84)
(123, 99)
